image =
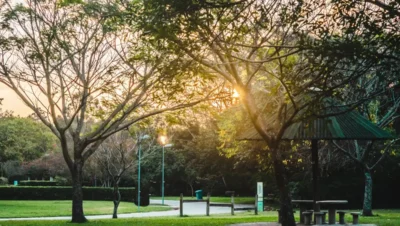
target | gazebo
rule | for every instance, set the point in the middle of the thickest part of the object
(346, 126)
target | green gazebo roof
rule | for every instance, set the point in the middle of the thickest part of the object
(349, 126)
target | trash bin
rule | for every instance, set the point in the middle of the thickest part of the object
(199, 194)
(144, 199)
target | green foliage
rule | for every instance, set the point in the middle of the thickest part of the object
(69, 2)
(3, 181)
(12, 170)
(61, 181)
(61, 193)
(229, 127)
(37, 183)
(24, 139)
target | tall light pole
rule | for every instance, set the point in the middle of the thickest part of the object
(144, 137)
(163, 141)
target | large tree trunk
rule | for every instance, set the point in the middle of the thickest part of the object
(117, 200)
(77, 193)
(367, 205)
(286, 209)
(259, 124)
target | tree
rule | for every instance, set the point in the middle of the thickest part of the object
(263, 50)
(368, 31)
(70, 61)
(199, 156)
(12, 169)
(116, 156)
(368, 154)
(49, 165)
(23, 139)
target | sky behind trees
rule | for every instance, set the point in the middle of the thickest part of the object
(12, 102)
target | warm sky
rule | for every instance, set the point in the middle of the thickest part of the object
(12, 102)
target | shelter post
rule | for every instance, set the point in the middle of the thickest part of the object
(315, 169)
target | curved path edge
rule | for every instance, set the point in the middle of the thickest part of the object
(189, 209)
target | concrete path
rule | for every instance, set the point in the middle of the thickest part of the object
(188, 209)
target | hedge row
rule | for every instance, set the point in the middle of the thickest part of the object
(37, 183)
(62, 193)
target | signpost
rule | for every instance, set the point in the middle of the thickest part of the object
(260, 195)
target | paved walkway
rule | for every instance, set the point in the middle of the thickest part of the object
(188, 209)
(192, 208)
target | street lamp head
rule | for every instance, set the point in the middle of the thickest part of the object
(168, 145)
(144, 137)
(163, 140)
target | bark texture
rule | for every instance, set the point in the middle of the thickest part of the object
(117, 200)
(286, 208)
(77, 193)
(367, 205)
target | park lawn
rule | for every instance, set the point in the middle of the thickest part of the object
(25, 208)
(383, 218)
(238, 200)
(158, 221)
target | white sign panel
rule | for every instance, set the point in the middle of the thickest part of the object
(260, 194)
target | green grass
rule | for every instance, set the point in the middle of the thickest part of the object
(11, 209)
(383, 218)
(238, 200)
(23, 208)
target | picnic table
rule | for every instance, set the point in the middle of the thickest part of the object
(332, 204)
(303, 204)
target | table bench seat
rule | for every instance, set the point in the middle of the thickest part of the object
(307, 217)
(355, 217)
(303, 204)
(331, 204)
(318, 217)
(341, 216)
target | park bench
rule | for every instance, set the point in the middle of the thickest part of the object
(341, 216)
(355, 217)
(318, 217)
(209, 204)
(244, 208)
(307, 217)
(324, 216)
(303, 205)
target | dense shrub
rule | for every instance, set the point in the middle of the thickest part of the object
(61, 193)
(37, 183)
(3, 181)
(61, 181)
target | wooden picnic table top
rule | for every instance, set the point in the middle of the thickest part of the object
(332, 202)
(302, 201)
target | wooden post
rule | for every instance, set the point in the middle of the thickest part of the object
(208, 205)
(315, 170)
(232, 204)
(181, 205)
(256, 206)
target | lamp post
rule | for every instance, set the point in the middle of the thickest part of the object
(163, 141)
(144, 137)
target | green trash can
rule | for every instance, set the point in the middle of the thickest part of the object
(199, 194)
